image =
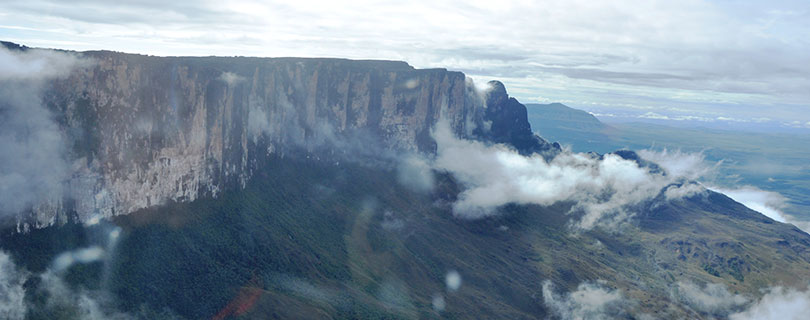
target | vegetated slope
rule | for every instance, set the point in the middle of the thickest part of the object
(317, 239)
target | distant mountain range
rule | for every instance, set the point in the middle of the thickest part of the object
(560, 115)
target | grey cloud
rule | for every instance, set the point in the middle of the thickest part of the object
(717, 72)
(12, 293)
(438, 302)
(712, 298)
(231, 78)
(307, 290)
(130, 11)
(391, 222)
(350, 144)
(35, 64)
(622, 77)
(778, 303)
(685, 190)
(89, 305)
(85, 304)
(415, 173)
(588, 301)
(394, 295)
(57, 296)
(595, 300)
(258, 122)
(81, 255)
(483, 53)
(654, 49)
(32, 164)
(780, 86)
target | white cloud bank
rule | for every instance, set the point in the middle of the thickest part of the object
(34, 64)
(778, 304)
(765, 202)
(603, 189)
(768, 203)
(32, 164)
(595, 300)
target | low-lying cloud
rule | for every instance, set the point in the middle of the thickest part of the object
(32, 162)
(778, 303)
(415, 173)
(82, 255)
(715, 300)
(54, 296)
(231, 78)
(712, 298)
(690, 166)
(35, 64)
(88, 305)
(602, 188)
(84, 304)
(12, 293)
(595, 300)
(589, 301)
(769, 203)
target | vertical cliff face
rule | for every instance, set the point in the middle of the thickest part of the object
(144, 130)
(506, 121)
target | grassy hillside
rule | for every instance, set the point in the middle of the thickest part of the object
(310, 239)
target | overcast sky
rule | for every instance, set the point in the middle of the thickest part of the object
(738, 60)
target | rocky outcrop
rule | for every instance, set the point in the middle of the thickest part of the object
(506, 121)
(144, 130)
